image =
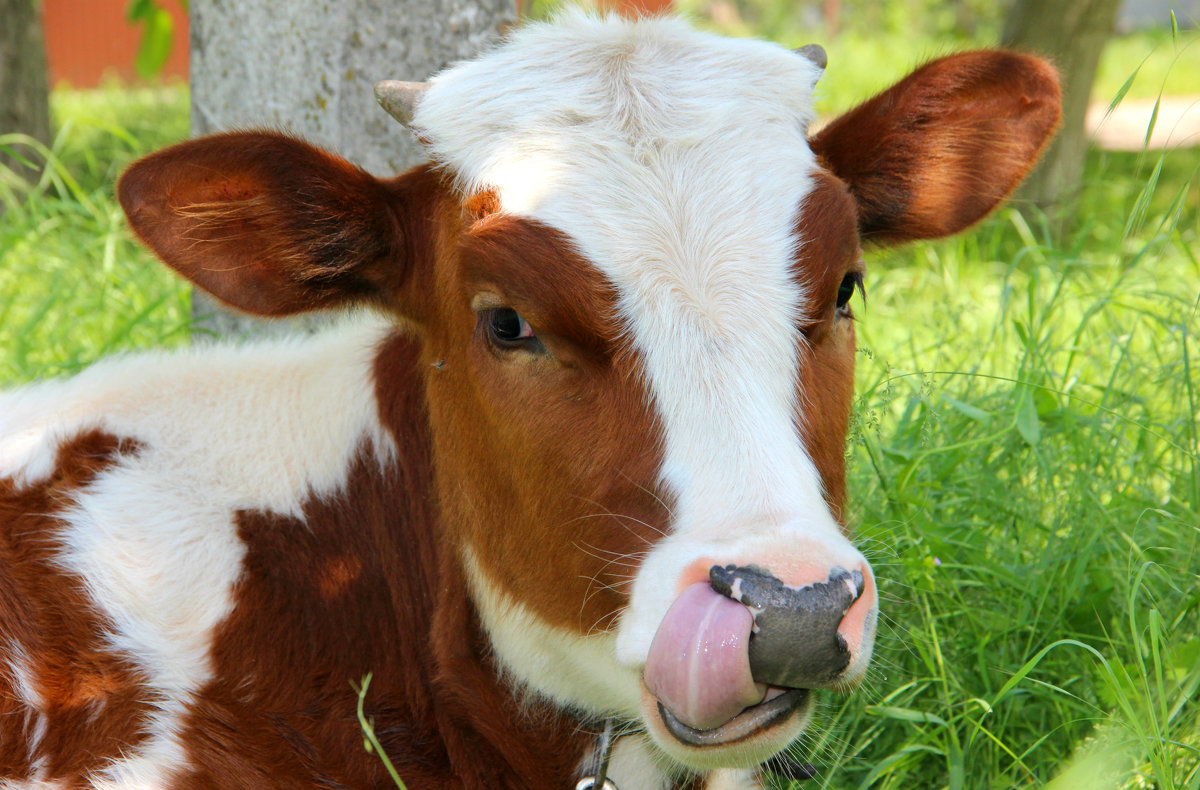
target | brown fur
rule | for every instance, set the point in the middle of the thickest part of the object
(93, 699)
(266, 224)
(936, 152)
(829, 251)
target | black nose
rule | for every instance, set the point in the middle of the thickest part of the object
(795, 642)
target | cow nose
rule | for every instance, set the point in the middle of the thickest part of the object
(795, 642)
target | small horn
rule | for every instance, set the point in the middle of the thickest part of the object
(400, 98)
(814, 52)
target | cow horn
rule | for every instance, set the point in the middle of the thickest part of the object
(815, 53)
(400, 98)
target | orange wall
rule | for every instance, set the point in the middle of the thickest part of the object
(87, 39)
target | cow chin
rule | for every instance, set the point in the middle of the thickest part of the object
(752, 737)
(580, 672)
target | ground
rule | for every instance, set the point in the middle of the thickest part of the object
(1177, 124)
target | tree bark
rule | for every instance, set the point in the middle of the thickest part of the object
(24, 88)
(310, 68)
(1072, 33)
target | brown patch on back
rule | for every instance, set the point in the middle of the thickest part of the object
(93, 702)
(339, 575)
(280, 712)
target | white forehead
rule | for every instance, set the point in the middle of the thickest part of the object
(564, 114)
(677, 161)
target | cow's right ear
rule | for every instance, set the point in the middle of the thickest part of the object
(269, 224)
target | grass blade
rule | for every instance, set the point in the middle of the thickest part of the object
(371, 743)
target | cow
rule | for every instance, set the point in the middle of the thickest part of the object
(566, 482)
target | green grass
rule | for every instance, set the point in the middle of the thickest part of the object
(865, 58)
(1164, 64)
(861, 64)
(74, 286)
(1024, 461)
(370, 740)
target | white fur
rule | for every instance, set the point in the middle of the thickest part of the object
(678, 163)
(559, 665)
(18, 672)
(263, 427)
(638, 765)
(732, 779)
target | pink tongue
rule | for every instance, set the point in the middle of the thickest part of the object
(699, 662)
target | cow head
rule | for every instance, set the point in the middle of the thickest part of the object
(631, 272)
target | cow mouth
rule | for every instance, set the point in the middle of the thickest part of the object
(777, 708)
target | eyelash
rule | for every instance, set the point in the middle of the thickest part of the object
(506, 330)
(851, 282)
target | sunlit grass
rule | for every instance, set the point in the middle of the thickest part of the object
(74, 286)
(865, 58)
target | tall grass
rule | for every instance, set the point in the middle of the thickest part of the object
(869, 55)
(74, 285)
(1025, 462)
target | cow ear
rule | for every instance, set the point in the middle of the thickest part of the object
(267, 223)
(936, 152)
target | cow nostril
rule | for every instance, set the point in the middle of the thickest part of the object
(795, 641)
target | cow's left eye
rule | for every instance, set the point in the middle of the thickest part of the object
(507, 329)
(845, 292)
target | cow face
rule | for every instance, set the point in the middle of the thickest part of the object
(631, 274)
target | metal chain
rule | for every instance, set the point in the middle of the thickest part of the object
(600, 780)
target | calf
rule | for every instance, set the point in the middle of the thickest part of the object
(578, 459)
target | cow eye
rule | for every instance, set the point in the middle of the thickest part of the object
(507, 329)
(850, 282)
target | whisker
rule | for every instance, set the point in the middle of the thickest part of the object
(595, 586)
(602, 513)
(616, 559)
(620, 519)
(670, 511)
(599, 626)
(610, 552)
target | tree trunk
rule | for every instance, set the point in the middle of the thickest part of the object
(310, 68)
(24, 89)
(1072, 33)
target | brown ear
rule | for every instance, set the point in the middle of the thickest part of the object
(940, 149)
(265, 222)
